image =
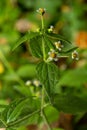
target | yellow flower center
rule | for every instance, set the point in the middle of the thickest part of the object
(41, 10)
(75, 55)
(53, 55)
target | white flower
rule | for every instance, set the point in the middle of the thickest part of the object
(53, 56)
(36, 83)
(28, 83)
(58, 45)
(41, 11)
(75, 55)
(51, 29)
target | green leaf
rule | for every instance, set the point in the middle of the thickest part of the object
(20, 112)
(36, 46)
(2, 125)
(51, 113)
(74, 78)
(70, 103)
(57, 37)
(9, 110)
(2, 107)
(48, 42)
(26, 37)
(68, 46)
(48, 76)
(27, 71)
(25, 91)
(17, 110)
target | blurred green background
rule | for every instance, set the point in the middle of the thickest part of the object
(69, 18)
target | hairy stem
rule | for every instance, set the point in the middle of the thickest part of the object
(43, 45)
(42, 110)
(46, 121)
(43, 90)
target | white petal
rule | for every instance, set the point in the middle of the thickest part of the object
(49, 53)
(50, 58)
(77, 58)
(59, 49)
(55, 59)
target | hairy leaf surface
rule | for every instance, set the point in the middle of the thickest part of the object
(26, 37)
(48, 76)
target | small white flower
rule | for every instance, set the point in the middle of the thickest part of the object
(75, 55)
(41, 11)
(28, 83)
(51, 29)
(58, 45)
(36, 83)
(52, 55)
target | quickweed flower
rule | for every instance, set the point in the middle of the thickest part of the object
(36, 82)
(50, 29)
(41, 11)
(53, 56)
(28, 83)
(75, 55)
(58, 45)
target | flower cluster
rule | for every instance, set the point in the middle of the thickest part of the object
(53, 54)
(75, 55)
(35, 82)
(41, 11)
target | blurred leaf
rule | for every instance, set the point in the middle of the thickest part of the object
(58, 129)
(25, 91)
(1, 124)
(73, 78)
(48, 76)
(27, 71)
(10, 77)
(26, 37)
(2, 107)
(51, 113)
(70, 103)
(51, 6)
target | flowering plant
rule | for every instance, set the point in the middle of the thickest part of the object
(48, 47)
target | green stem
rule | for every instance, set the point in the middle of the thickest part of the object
(43, 45)
(42, 20)
(42, 109)
(46, 121)
(42, 100)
